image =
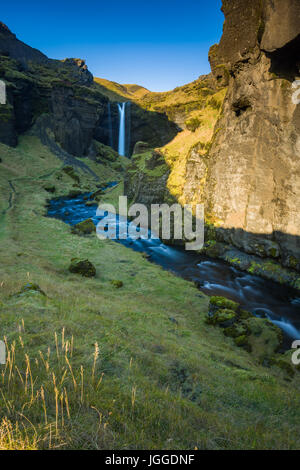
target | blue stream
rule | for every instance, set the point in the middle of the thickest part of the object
(263, 298)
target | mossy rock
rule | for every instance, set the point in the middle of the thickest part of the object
(213, 249)
(96, 195)
(50, 188)
(193, 124)
(242, 342)
(218, 303)
(237, 330)
(84, 228)
(223, 318)
(264, 337)
(244, 314)
(141, 147)
(90, 203)
(83, 267)
(284, 365)
(69, 170)
(117, 284)
(31, 288)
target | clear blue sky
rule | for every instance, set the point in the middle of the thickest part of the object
(159, 44)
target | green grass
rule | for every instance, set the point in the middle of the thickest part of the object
(157, 383)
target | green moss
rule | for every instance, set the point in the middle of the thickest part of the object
(223, 318)
(237, 330)
(69, 170)
(86, 227)
(31, 287)
(222, 302)
(284, 365)
(83, 267)
(193, 124)
(244, 314)
(117, 284)
(241, 341)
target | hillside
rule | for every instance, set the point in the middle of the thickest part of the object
(115, 90)
(238, 151)
(154, 374)
(105, 348)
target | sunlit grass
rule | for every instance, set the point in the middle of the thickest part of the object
(90, 366)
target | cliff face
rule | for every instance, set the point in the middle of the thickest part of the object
(252, 187)
(247, 170)
(38, 87)
(60, 102)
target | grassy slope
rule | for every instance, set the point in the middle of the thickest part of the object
(165, 385)
(115, 90)
(197, 103)
(177, 152)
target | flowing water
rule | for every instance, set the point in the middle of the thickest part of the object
(122, 115)
(263, 298)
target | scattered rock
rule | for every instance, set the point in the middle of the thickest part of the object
(90, 203)
(117, 284)
(264, 337)
(256, 335)
(83, 267)
(217, 303)
(74, 193)
(31, 288)
(141, 147)
(224, 318)
(84, 228)
(50, 189)
(69, 170)
(242, 342)
(283, 365)
(96, 195)
(237, 330)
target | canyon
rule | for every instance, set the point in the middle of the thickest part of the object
(229, 140)
(139, 344)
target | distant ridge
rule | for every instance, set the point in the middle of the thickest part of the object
(114, 90)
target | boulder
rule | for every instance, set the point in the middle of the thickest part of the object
(86, 227)
(31, 288)
(117, 284)
(221, 303)
(83, 267)
(141, 147)
(224, 318)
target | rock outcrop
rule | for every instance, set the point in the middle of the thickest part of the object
(55, 96)
(252, 187)
(83, 267)
(60, 103)
(247, 172)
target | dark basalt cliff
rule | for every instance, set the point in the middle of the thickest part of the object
(60, 102)
(42, 90)
(252, 189)
(248, 175)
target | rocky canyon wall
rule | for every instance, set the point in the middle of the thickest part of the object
(252, 189)
(246, 171)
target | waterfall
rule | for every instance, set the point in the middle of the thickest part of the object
(110, 133)
(121, 147)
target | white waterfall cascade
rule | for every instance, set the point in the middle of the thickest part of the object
(122, 114)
